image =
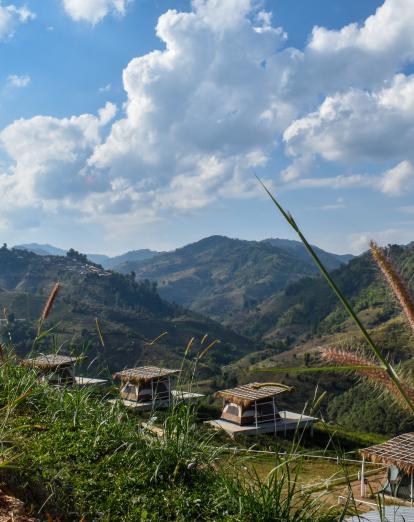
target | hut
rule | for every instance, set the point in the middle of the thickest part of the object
(146, 387)
(147, 384)
(59, 370)
(252, 408)
(251, 403)
(398, 454)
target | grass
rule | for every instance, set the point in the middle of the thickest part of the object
(75, 456)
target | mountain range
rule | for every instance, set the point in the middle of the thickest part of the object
(229, 279)
(267, 291)
(105, 261)
(131, 314)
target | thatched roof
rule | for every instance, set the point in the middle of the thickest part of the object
(249, 393)
(143, 374)
(51, 361)
(398, 451)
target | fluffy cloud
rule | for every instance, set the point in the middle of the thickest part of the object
(363, 55)
(213, 105)
(93, 11)
(358, 125)
(11, 17)
(203, 111)
(50, 156)
(398, 180)
(18, 81)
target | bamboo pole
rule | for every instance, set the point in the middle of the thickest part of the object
(363, 477)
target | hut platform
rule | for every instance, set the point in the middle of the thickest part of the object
(289, 421)
(89, 381)
(178, 396)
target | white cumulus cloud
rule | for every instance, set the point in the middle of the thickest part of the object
(398, 180)
(93, 11)
(49, 158)
(358, 125)
(214, 104)
(11, 17)
(19, 81)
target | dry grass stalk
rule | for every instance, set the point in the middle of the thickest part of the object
(50, 301)
(208, 348)
(188, 348)
(98, 329)
(150, 343)
(395, 282)
(374, 375)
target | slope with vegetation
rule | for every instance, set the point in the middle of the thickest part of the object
(228, 279)
(131, 313)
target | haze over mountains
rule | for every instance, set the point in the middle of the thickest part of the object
(107, 262)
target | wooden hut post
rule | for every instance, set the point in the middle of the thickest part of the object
(255, 413)
(412, 488)
(363, 477)
(152, 391)
(169, 390)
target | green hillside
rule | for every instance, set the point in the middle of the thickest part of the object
(227, 279)
(131, 313)
(307, 316)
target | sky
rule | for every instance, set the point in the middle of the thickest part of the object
(129, 124)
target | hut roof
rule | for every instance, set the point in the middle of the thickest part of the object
(46, 362)
(144, 374)
(398, 451)
(255, 391)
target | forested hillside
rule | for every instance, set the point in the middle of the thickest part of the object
(131, 313)
(227, 279)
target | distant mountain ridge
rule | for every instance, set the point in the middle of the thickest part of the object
(226, 278)
(299, 248)
(107, 262)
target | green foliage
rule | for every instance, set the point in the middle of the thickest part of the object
(228, 279)
(362, 409)
(130, 312)
(75, 455)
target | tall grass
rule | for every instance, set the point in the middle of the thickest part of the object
(76, 456)
(398, 385)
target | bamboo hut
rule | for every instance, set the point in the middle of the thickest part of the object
(252, 403)
(59, 370)
(398, 454)
(251, 409)
(146, 387)
(146, 384)
(55, 369)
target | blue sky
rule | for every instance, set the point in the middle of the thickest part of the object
(115, 135)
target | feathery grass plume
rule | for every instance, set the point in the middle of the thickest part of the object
(370, 372)
(395, 282)
(48, 306)
(98, 329)
(203, 339)
(188, 348)
(50, 301)
(345, 303)
(208, 348)
(1, 353)
(150, 343)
